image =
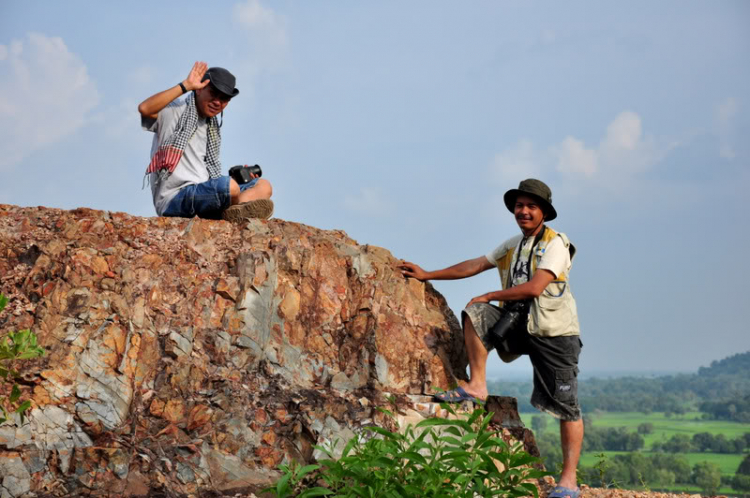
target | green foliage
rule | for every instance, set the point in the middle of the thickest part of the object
(612, 439)
(719, 390)
(439, 457)
(550, 449)
(646, 428)
(602, 467)
(15, 346)
(538, 424)
(707, 475)
(744, 467)
(737, 409)
(741, 483)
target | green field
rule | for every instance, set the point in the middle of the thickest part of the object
(664, 428)
(727, 463)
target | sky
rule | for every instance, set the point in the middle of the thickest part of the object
(403, 123)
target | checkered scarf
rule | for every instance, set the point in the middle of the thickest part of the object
(169, 153)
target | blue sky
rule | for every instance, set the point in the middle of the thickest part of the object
(403, 123)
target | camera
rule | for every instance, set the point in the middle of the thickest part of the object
(243, 174)
(514, 316)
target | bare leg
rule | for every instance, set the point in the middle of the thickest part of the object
(478, 354)
(571, 437)
(261, 190)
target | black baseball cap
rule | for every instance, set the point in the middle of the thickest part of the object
(222, 80)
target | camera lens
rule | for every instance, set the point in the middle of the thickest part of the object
(255, 169)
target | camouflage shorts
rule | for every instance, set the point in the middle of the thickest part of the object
(555, 360)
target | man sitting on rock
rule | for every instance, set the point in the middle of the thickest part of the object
(538, 318)
(185, 170)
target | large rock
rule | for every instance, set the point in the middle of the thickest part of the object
(194, 353)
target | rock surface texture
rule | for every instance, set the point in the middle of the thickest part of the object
(195, 355)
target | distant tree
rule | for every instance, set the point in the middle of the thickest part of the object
(703, 441)
(645, 428)
(707, 476)
(550, 450)
(538, 424)
(588, 422)
(664, 478)
(679, 443)
(744, 467)
(741, 483)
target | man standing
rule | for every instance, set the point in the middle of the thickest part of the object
(538, 318)
(185, 170)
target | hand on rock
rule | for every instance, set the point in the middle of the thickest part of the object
(411, 270)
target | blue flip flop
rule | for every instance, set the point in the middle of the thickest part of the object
(457, 395)
(563, 492)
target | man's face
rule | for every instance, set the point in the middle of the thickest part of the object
(210, 101)
(529, 214)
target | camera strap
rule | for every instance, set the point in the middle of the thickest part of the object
(531, 254)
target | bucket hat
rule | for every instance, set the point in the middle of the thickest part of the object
(223, 80)
(536, 189)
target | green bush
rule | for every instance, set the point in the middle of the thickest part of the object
(439, 457)
(15, 346)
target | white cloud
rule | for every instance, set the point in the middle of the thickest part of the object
(624, 133)
(45, 95)
(517, 163)
(122, 120)
(727, 110)
(574, 157)
(622, 153)
(262, 42)
(724, 115)
(370, 202)
(252, 15)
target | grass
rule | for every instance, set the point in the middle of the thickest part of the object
(727, 463)
(664, 428)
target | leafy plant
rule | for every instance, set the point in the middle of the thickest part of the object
(15, 346)
(438, 457)
(602, 466)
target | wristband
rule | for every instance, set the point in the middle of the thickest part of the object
(184, 90)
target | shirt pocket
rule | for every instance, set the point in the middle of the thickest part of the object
(553, 296)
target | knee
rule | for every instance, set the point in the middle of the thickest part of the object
(234, 191)
(265, 187)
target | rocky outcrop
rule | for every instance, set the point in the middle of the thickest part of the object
(199, 353)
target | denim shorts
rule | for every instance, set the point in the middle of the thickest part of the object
(206, 200)
(555, 360)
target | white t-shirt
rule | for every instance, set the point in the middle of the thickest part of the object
(556, 257)
(192, 166)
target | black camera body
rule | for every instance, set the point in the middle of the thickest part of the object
(243, 174)
(515, 314)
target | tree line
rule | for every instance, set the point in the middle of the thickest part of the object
(662, 468)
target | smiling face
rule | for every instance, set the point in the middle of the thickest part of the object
(210, 101)
(529, 214)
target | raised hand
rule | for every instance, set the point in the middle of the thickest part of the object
(411, 270)
(193, 81)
